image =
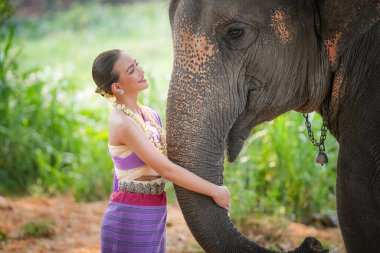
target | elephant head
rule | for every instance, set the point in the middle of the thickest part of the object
(238, 64)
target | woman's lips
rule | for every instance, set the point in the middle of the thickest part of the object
(142, 80)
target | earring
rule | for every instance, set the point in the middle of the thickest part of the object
(120, 91)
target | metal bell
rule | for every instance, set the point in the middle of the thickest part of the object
(321, 158)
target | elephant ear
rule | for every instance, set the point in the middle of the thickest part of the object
(343, 22)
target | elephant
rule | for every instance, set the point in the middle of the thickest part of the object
(239, 63)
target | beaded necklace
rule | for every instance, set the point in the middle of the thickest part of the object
(144, 127)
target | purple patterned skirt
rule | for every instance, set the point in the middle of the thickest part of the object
(134, 223)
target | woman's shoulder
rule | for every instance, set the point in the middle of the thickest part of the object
(117, 119)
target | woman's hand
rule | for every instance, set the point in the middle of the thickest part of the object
(222, 197)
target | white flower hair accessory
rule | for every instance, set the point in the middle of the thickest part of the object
(106, 95)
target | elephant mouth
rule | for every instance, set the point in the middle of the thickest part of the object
(235, 140)
(244, 122)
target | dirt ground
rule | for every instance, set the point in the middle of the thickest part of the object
(75, 228)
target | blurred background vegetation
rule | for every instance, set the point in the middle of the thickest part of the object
(53, 127)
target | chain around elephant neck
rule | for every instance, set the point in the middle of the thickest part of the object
(321, 157)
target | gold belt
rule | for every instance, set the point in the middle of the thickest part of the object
(141, 188)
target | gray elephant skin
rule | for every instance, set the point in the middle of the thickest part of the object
(239, 63)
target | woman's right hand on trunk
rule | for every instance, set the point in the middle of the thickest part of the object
(222, 197)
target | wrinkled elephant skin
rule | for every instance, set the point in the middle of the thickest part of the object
(239, 63)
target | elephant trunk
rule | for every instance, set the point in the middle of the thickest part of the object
(190, 145)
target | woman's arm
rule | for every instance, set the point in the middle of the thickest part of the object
(130, 134)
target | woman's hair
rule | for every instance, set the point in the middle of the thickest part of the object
(102, 70)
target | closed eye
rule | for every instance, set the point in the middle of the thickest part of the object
(131, 69)
(238, 35)
(235, 33)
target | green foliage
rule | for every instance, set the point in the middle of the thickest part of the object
(42, 228)
(44, 135)
(276, 174)
(41, 135)
(6, 11)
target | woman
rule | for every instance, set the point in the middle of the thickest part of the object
(135, 220)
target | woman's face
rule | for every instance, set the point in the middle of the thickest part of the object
(131, 75)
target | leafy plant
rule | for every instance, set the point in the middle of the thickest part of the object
(276, 174)
(42, 228)
(3, 236)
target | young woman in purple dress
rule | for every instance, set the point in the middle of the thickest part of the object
(135, 219)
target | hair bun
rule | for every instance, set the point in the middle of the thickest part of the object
(98, 90)
(105, 94)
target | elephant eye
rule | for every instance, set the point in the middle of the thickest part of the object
(238, 35)
(235, 33)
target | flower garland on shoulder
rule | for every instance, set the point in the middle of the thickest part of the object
(144, 127)
(162, 146)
